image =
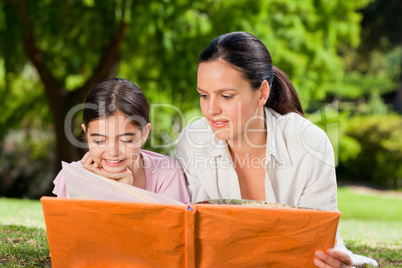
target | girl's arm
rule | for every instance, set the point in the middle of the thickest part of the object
(60, 189)
(124, 177)
(174, 184)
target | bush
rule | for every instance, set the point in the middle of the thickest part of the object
(27, 163)
(379, 160)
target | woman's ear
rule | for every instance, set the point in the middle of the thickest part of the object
(145, 133)
(264, 93)
(83, 128)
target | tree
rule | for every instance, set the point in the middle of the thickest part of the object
(58, 47)
(382, 31)
(74, 44)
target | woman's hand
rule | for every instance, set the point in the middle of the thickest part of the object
(124, 177)
(332, 258)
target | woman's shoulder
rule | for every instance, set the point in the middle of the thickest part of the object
(295, 127)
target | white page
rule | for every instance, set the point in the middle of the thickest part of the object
(83, 184)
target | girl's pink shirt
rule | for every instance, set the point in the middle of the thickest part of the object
(164, 176)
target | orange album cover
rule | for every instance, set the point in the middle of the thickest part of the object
(94, 233)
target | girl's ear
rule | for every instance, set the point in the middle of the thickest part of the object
(83, 128)
(145, 133)
(264, 93)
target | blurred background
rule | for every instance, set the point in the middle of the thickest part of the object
(344, 58)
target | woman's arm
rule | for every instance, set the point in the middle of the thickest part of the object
(320, 192)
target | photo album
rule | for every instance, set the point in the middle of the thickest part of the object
(105, 223)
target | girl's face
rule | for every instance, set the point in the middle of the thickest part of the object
(114, 142)
(229, 104)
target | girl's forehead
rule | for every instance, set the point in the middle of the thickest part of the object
(113, 123)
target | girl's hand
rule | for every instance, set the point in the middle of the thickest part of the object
(332, 258)
(124, 177)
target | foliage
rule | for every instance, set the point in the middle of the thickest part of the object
(376, 66)
(380, 158)
(27, 163)
(156, 44)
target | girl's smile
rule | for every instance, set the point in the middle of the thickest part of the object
(113, 163)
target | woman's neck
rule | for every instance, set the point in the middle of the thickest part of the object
(251, 141)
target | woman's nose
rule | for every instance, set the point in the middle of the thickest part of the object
(214, 107)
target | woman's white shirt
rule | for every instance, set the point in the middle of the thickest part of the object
(299, 163)
(300, 166)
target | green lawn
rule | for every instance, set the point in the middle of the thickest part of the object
(371, 225)
(23, 241)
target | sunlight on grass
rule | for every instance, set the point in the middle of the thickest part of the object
(371, 224)
(355, 205)
(369, 231)
(21, 212)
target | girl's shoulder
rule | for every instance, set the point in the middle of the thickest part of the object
(154, 155)
(153, 161)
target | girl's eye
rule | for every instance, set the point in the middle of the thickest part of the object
(126, 141)
(227, 97)
(203, 96)
(99, 142)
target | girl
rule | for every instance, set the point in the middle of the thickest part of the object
(254, 141)
(116, 125)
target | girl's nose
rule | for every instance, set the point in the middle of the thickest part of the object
(113, 148)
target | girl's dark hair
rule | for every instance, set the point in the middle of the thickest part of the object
(247, 54)
(116, 94)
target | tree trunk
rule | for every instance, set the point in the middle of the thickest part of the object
(398, 95)
(61, 100)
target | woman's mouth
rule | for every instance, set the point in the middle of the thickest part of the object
(219, 123)
(113, 163)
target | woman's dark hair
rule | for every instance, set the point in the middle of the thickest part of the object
(247, 54)
(116, 94)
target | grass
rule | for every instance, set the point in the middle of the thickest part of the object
(371, 225)
(22, 246)
(23, 241)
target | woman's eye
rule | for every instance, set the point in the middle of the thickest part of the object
(227, 97)
(99, 142)
(203, 96)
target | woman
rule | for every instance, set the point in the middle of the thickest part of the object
(254, 141)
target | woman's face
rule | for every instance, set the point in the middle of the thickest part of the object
(114, 142)
(229, 104)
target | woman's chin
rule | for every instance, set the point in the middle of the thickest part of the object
(222, 135)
